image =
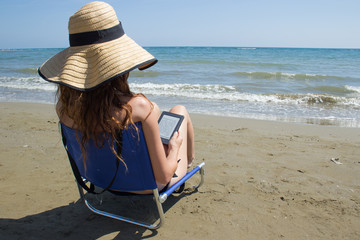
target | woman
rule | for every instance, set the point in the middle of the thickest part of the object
(94, 95)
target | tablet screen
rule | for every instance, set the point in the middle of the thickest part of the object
(168, 124)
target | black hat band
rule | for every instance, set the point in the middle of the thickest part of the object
(100, 36)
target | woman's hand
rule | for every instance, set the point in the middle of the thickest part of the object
(175, 142)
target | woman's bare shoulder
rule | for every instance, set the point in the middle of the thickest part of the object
(141, 107)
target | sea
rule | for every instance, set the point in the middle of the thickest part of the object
(301, 85)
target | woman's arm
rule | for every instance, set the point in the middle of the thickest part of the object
(164, 164)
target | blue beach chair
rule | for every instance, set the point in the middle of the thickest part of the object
(104, 171)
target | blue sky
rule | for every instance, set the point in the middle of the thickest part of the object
(244, 23)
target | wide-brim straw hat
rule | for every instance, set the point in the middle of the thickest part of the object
(99, 50)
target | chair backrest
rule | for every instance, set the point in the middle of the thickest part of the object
(101, 163)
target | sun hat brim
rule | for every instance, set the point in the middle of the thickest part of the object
(87, 67)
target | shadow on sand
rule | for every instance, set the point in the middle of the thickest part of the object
(75, 221)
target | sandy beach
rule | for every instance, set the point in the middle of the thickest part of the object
(264, 180)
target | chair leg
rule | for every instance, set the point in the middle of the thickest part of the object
(202, 174)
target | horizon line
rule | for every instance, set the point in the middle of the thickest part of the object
(198, 46)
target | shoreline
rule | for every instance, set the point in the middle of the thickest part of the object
(280, 120)
(264, 180)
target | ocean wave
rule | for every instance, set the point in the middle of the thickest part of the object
(319, 99)
(9, 50)
(336, 90)
(230, 63)
(148, 73)
(353, 88)
(205, 62)
(181, 87)
(262, 64)
(33, 71)
(230, 93)
(282, 75)
(30, 83)
(246, 48)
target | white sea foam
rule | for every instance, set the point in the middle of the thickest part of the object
(30, 83)
(285, 75)
(352, 88)
(230, 93)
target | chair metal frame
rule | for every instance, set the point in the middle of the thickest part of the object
(159, 199)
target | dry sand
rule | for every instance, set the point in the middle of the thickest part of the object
(264, 180)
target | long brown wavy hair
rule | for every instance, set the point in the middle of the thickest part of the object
(93, 111)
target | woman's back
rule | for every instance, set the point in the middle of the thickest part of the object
(101, 166)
